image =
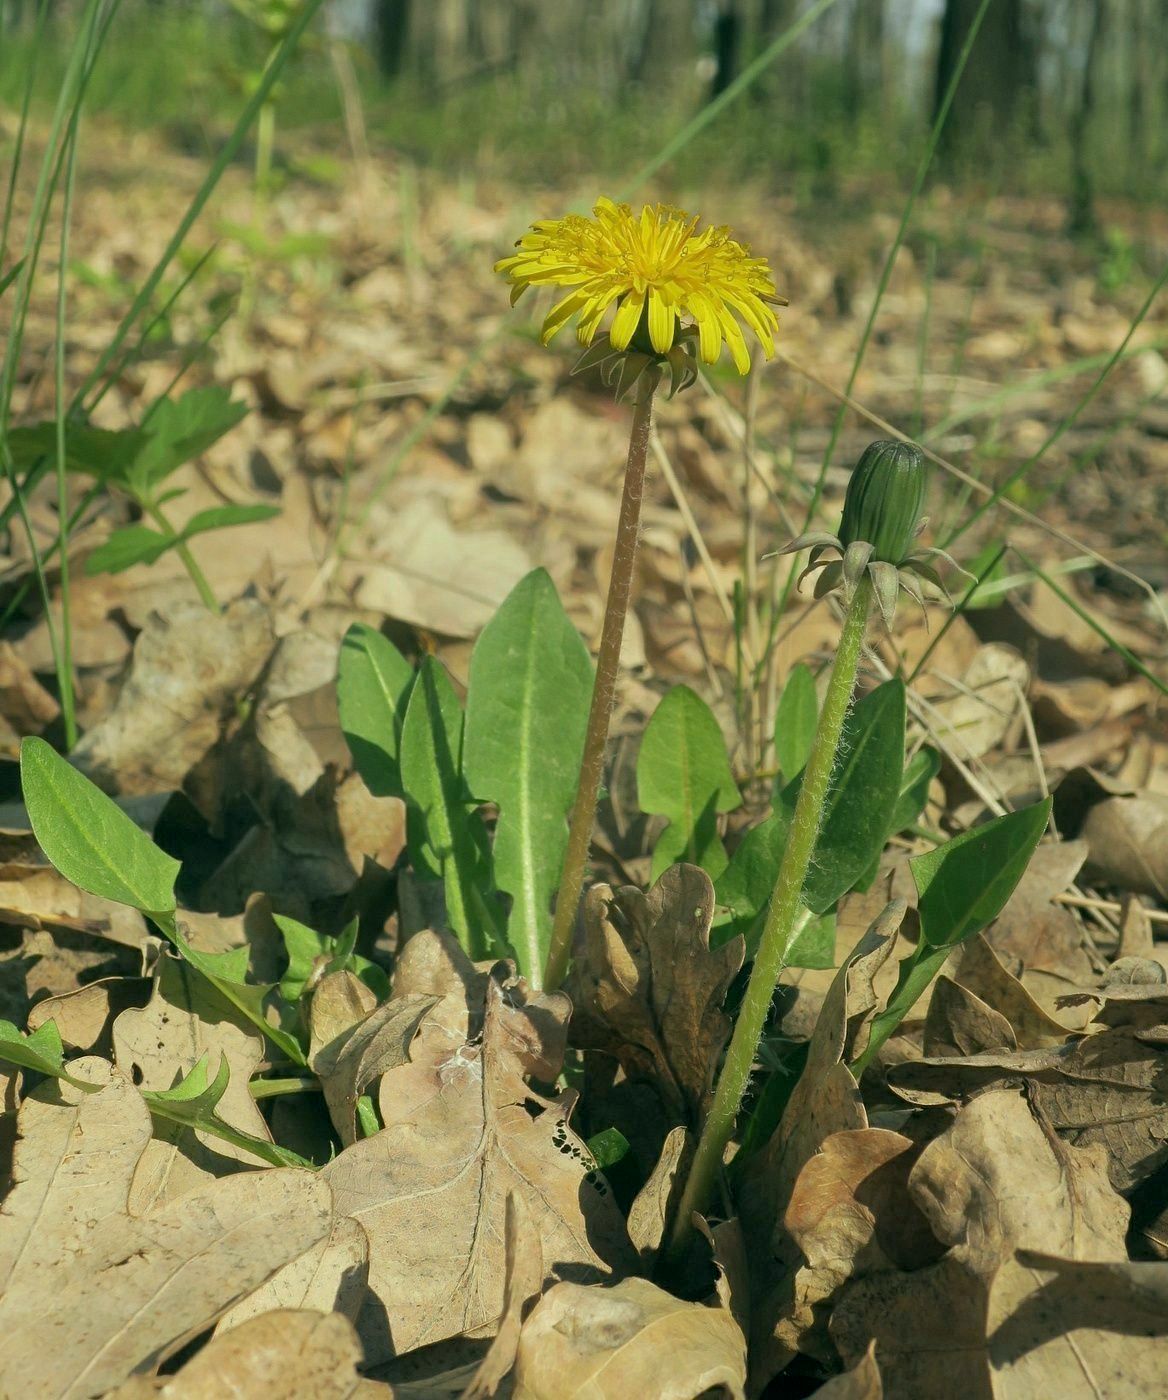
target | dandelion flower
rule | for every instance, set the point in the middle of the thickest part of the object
(655, 267)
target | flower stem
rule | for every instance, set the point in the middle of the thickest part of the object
(782, 924)
(604, 691)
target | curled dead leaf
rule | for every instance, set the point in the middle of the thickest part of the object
(633, 1339)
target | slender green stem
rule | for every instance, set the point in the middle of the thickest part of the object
(270, 1088)
(782, 924)
(604, 691)
(190, 563)
(265, 143)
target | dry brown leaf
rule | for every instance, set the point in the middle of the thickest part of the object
(648, 989)
(1105, 1089)
(984, 704)
(329, 1277)
(353, 1059)
(826, 1099)
(860, 1382)
(85, 1017)
(959, 1023)
(66, 1239)
(284, 1355)
(1125, 830)
(186, 1020)
(462, 1129)
(442, 579)
(633, 1339)
(850, 1214)
(524, 1279)
(1116, 1315)
(190, 669)
(1035, 932)
(979, 969)
(995, 1181)
(651, 1211)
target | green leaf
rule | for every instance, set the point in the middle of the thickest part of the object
(864, 792)
(796, 719)
(224, 518)
(133, 544)
(100, 452)
(962, 887)
(373, 688)
(192, 1104)
(88, 837)
(40, 1050)
(7, 279)
(608, 1147)
(227, 973)
(527, 709)
(178, 430)
(683, 774)
(964, 884)
(746, 885)
(814, 944)
(446, 835)
(919, 772)
(304, 946)
(856, 824)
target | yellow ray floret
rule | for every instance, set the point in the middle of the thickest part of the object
(654, 265)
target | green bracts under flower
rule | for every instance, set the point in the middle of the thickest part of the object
(884, 501)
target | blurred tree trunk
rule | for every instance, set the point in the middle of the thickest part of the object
(1081, 215)
(392, 31)
(1000, 77)
(727, 45)
(864, 80)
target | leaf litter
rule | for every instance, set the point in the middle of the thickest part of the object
(982, 1210)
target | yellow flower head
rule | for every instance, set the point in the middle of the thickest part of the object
(654, 266)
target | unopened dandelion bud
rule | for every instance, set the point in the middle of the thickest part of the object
(884, 501)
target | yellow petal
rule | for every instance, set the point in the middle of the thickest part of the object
(661, 322)
(627, 317)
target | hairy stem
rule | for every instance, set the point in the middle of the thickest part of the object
(604, 691)
(782, 924)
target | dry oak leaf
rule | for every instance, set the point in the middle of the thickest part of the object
(524, 1279)
(284, 1355)
(850, 1214)
(986, 702)
(649, 989)
(980, 970)
(995, 1181)
(462, 1129)
(627, 1342)
(156, 1045)
(330, 1277)
(826, 1100)
(1108, 1088)
(93, 1294)
(361, 1052)
(860, 1382)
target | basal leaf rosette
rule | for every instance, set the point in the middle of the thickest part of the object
(679, 293)
(881, 521)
